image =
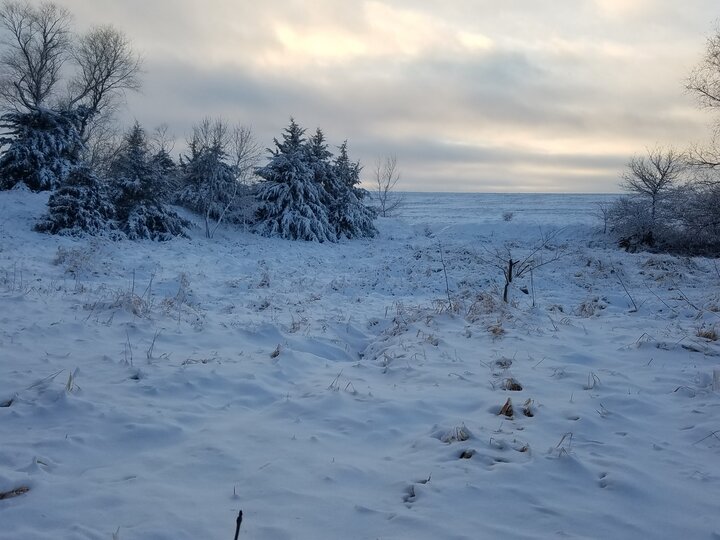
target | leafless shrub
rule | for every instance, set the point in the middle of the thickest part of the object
(78, 260)
(602, 210)
(536, 257)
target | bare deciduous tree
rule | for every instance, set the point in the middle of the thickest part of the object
(512, 268)
(37, 45)
(245, 152)
(162, 140)
(704, 83)
(387, 175)
(107, 67)
(222, 160)
(602, 211)
(653, 175)
(103, 140)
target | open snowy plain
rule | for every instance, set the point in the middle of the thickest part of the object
(353, 391)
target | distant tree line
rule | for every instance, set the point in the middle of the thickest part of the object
(58, 93)
(673, 203)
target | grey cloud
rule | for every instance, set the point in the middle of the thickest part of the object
(603, 84)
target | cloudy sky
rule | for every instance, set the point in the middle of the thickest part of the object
(471, 95)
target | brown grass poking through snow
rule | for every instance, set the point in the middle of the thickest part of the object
(708, 333)
(22, 490)
(507, 409)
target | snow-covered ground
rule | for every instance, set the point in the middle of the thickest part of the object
(150, 391)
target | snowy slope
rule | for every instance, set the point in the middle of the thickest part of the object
(331, 391)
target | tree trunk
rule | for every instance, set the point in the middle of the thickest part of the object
(508, 279)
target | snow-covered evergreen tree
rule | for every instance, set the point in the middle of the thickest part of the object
(81, 206)
(209, 183)
(42, 147)
(169, 174)
(292, 199)
(351, 216)
(138, 186)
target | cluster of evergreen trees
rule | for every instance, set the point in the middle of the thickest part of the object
(129, 200)
(303, 192)
(51, 135)
(307, 195)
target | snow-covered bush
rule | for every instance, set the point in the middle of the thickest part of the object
(42, 148)
(686, 221)
(82, 206)
(630, 221)
(697, 218)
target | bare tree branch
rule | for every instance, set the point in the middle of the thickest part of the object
(37, 41)
(245, 153)
(704, 81)
(162, 140)
(107, 67)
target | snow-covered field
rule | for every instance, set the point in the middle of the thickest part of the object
(150, 391)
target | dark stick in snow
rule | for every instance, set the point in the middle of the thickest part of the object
(237, 525)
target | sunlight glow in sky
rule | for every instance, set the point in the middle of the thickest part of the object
(471, 95)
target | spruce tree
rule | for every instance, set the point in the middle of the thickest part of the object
(169, 174)
(351, 216)
(43, 147)
(81, 206)
(293, 202)
(208, 182)
(137, 192)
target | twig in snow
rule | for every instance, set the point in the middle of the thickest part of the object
(687, 300)
(622, 283)
(447, 284)
(150, 350)
(713, 434)
(658, 297)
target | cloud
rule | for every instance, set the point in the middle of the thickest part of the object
(469, 94)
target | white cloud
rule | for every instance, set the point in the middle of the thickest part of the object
(598, 78)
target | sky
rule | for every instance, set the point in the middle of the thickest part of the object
(470, 95)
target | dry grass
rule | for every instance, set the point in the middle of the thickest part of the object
(22, 490)
(528, 408)
(507, 409)
(512, 385)
(709, 333)
(496, 330)
(456, 434)
(482, 305)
